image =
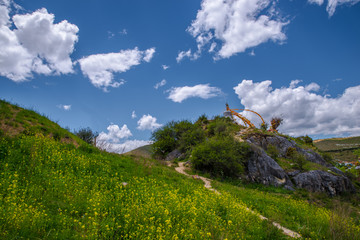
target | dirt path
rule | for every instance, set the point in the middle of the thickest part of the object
(207, 183)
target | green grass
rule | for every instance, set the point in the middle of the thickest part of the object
(340, 149)
(15, 120)
(336, 144)
(310, 220)
(51, 190)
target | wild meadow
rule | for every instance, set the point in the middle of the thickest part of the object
(52, 190)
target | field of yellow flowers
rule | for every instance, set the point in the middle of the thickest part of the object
(50, 190)
(53, 190)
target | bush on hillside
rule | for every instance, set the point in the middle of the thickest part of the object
(191, 138)
(221, 157)
(86, 134)
(164, 140)
(184, 135)
(221, 126)
(305, 140)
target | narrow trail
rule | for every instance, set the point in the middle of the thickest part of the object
(207, 183)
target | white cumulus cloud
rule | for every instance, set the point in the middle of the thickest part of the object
(133, 115)
(237, 24)
(160, 84)
(114, 134)
(113, 140)
(204, 91)
(303, 110)
(165, 66)
(33, 43)
(100, 68)
(333, 4)
(187, 54)
(64, 107)
(149, 53)
(122, 147)
(148, 122)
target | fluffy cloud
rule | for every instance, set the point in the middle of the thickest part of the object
(333, 4)
(35, 45)
(110, 141)
(204, 91)
(148, 122)
(187, 54)
(100, 68)
(64, 107)
(304, 111)
(160, 84)
(115, 133)
(149, 53)
(133, 115)
(122, 147)
(237, 24)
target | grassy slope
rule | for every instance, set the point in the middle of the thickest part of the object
(340, 148)
(15, 120)
(144, 151)
(53, 190)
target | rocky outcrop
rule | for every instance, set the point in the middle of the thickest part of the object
(173, 155)
(263, 169)
(283, 144)
(320, 181)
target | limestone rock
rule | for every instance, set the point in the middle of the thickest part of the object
(263, 169)
(320, 181)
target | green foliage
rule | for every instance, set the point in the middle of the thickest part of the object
(327, 157)
(86, 134)
(164, 140)
(297, 158)
(221, 126)
(202, 120)
(184, 135)
(264, 126)
(191, 138)
(357, 152)
(221, 157)
(272, 151)
(290, 152)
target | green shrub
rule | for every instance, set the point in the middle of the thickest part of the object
(327, 157)
(272, 151)
(221, 157)
(202, 120)
(291, 152)
(305, 140)
(221, 126)
(164, 140)
(86, 134)
(191, 138)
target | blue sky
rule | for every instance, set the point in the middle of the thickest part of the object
(124, 68)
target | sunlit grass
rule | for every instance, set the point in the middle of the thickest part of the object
(52, 190)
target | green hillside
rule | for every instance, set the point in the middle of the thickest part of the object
(54, 189)
(15, 120)
(341, 149)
